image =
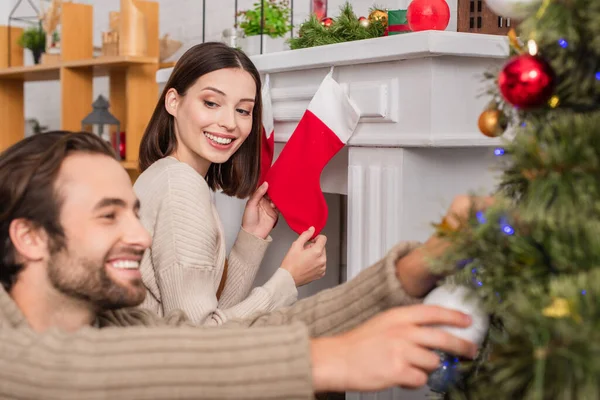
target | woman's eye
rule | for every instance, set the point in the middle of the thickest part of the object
(109, 216)
(244, 112)
(210, 104)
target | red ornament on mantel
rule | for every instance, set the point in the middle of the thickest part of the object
(426, 15)
(526, 81)
(327, 22)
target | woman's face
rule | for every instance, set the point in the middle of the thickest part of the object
(214, 117)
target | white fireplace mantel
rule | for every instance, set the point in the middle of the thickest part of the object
(417, 89)
(387, 49)
(417, 144)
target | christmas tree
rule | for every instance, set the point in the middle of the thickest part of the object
(533, 258)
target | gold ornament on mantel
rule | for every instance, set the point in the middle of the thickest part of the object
(492, 123)
(379, 15)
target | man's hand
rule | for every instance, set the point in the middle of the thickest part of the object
(459, 210)
(392, 349)
(412, 270)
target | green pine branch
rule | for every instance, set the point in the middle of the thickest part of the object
(345, 28)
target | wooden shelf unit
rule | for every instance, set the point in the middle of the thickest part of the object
(101, 67)
(132, 79)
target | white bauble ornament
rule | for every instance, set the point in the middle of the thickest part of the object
(462, 299)
(516, 9)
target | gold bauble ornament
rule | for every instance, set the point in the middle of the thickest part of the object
(492, 123)
(379, 15)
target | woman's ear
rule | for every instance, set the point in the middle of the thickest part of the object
(30, 242)
(171, 101)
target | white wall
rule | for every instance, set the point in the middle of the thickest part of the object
(182, 19)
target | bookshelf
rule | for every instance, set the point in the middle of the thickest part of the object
(132, 83)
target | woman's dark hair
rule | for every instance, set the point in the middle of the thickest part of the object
(28, 171)
(239, 175)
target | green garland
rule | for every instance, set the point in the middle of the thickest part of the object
(345, 28)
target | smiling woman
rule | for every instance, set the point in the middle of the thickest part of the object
(204, 135)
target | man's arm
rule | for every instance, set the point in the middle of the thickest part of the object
(335, 310)
(166, 362)
(156, 363)
(341, 308)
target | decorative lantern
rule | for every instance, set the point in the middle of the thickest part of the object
(100, 119)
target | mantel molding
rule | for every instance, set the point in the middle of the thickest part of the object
(384, 49)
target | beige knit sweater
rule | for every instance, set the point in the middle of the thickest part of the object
(184, 266)
(125, 359)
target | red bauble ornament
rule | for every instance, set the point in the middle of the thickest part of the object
(526, 81)
(326, 22)
(363, 21)
(425, 15)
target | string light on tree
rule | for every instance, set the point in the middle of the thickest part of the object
(563, 43)
(532, 47)
(364, 22)
(481, 216)
(506, 227)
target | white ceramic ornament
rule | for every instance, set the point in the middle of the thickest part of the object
(462, 299)
(516, 9)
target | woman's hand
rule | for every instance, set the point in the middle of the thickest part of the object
(260, 214)
(306, 260)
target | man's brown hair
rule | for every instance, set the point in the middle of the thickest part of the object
(28, 171)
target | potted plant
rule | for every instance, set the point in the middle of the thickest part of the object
(274, 27)
(34, 39)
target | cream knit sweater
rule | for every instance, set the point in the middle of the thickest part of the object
(137, 355)
(184, 266)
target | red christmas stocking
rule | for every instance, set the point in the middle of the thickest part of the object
(268, 128)
(294, 179)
